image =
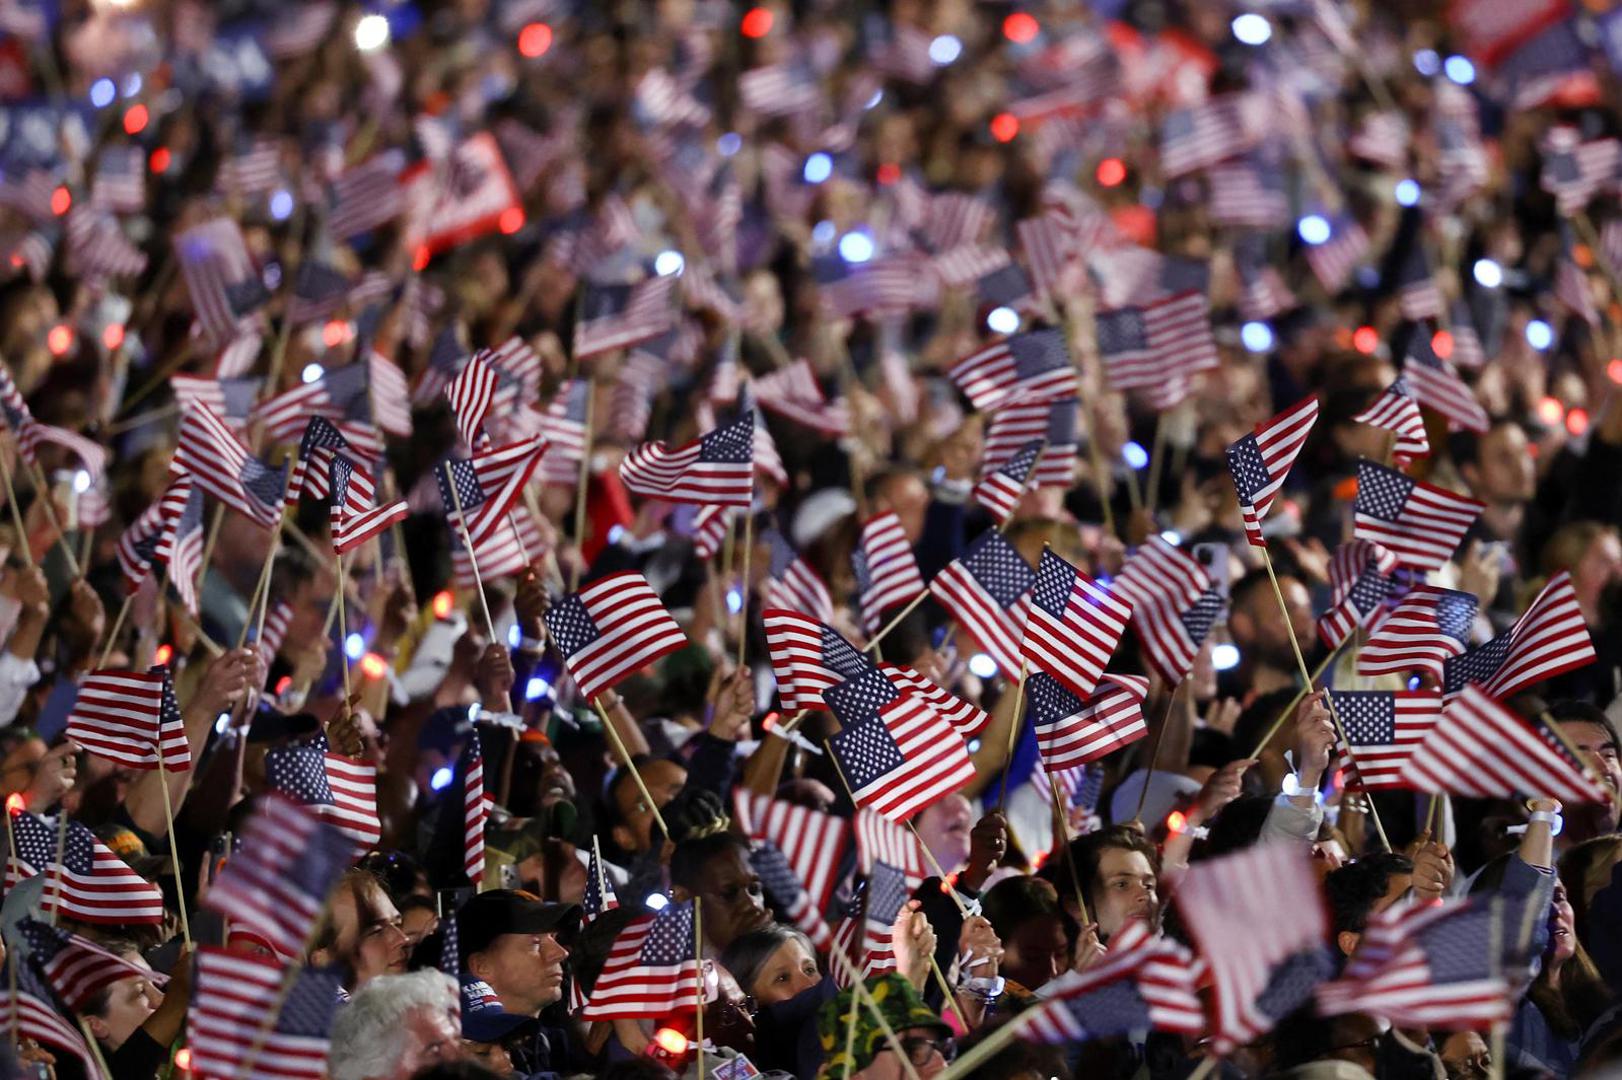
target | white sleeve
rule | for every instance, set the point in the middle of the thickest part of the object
(17, 676)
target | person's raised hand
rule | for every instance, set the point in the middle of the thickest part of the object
(734, 706)
(1089, 950)
(54, 777)
(85, 609)
(988, 843)
(1480, 571)
(1433, 867)
(33, 592)
(493, 677)
(912, 942)
(399, 612)
(343, 730)
(1314, 739)
(1220, 789)
(1222, 714)
(530, 602)
(227, 681)
(979, 948)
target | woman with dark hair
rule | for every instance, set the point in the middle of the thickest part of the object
(712, 864)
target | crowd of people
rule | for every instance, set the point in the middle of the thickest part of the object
(395, 684)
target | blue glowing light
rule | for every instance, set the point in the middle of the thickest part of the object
(1314, 229)
(818, 167)
(281, 205)
(982, 666)
(1225, 657)
(102, 92)
(441, 778)
(729, 144)
(354, 646)
(945, 49)
(1135, 456)
(1407, 192)
(856, 247)
(1460, 70)
(1539, 334)
(1257, 336)
(669, 263)
(1002, 320)
(1252, 29)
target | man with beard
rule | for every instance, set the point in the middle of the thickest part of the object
(1266, 658)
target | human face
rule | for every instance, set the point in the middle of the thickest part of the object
(944, 828)
(1598, 747)
(909, 498)
(369, 934)
(1562, 926)
(733, 902)
(1504, 472)
(1465, 1056)
(1125, 889)
(417, 924)
(1036, 952)
(922, 1045)
(790, 970)
(492, 1056)
(525, 970)
(635, 830)
(129, 1003)
(17, 768)
(430, 1036)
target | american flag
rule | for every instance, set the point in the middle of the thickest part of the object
(1222, 901)
(236, 994)
(391, 395)
(1397, 411)
(887, 573)
(319, 290)
(130, 717)
(1382, 138)
(445, 358)
(1202, 135)
(1417, 294)
(1029, 367)
(610, 629)
(1571, 288)
(1549, 638)
(253, 167)
(147, 542)
(1575, 171)
(1073, 729)
(812, 842)
(619, 316)
(1348, 562)
(30, 1011)
(792, 584)
(237, 356)
(898, 755)
(181, 547)
(1073, 626)
(987, 591)
(517, 359)
(1149, 346)
(1014, 426)
(967, 720)
(231, 399)
(715, 468)
(886, 892)
(710, 530)
(475, 808)
(1050, 246)
(880, 840)
(1172, 631)
(1429, 626)
(342, 395)
(277, 621)
(1247, 195)
(319, 444)
(340, 790)
(1418, 523)
(564, 424)
(792, 392)
(1261, 460)
(367, 196)
(880, 287)
(277, 883)
(1334, 260)
(90, 884)
(1482, 750)
(1438, 386)
(471, 394)
(1424, 965)
(488, 486)
(956, 218)
(1146, 982)
(1362, 597)
(1384, 728)
(223, 468)
(1004, 286)
(77, 968)
(785, 889)
(97, 246)
(213, 256)
(1160, 568)
(120, 183)
(651, 970)
(1263, 295)
(1001, 490)
(599, 898)
(808, 657)
(779, 89)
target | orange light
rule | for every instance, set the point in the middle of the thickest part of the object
(1038, 859)
(334, 333)
(670, 1041)
(1442, 344)
(1021, 27)
(373, 666)
(163, 655)
(59, 340)
(183, 1058)
(61, 201)
(1550, 411)
(14, 803)
(419, 259)
(442, 604)
(1577, 421)
(888, 173)
(159, 161)
(1004, 126)
(757, 23)
(283, 684)
(511, 220)
(16, 261)
(770, 721)
(1365, 339)
(1176, 821)
(1340, 779)
(112, 335)
(535, 39)
(135, 119)
(1614, 370)
(1111, 171)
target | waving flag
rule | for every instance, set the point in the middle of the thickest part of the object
(967, 720)
(30, 1011)
(1146, 982)
(880, 840)
(1420, 524)
(787, 893)
(1361, 597)
(1001, 490)
(1073, 626)
(610, 629)
(1261, 460)
(488, 486)
(563, 423)
(147, 542)
(792, 584)
(130, 717)
(340, 790)
(1149, 346)
(1482, 750)
(1430, 626)
(76, 968)
(355, 518)
(475, 808)
(886, 571)
(1073, 730)
(1384, 728)
(987, 591)
(1172, 632)
(1437, 386)
(651, 970)
(1575, 171)
(213, 257)
(1028, 367)
(236, 994)
(715, 468)
(793, 393)
(812, 842)
(1417, 294)
(231, 399)
(342, 395)
(897, 754)
(1015, 426)
(1396, 411)
(886, 892)
(1549, 638)
(471, 394)
(224, 469)
(1200, 135)
(807, 657)
(1160, 568)
(710, 530)
(90, 884)
(599, 898)
(619, 316)
(1334, 260)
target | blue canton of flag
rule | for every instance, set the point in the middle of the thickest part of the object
(1113, 1009)
(1037, 354)
(886, 893)
(670, 940)
(300, 773)
(776, 876)
(570, 624)
(1250, 474)
(1290, 984)
(866, 751)
(732, 444)
(840, 656)
(1050, 699)
(468, 488)
(1456, 613)
(1122, 331)
(311, 1004)
(263, 483)
(860, 697)
(1197, 620)
(1476, 666)
(1000, 570)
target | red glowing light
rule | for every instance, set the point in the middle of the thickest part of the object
(112, 335)
(770, 721)
(1021, 27)
(1365, 339)
(1442, 344)
(14, 803)
(135, 119)
(334, 333)
(1550, 411)
(671, 1041)
(59, 340)
(159, 161)
(511, 220)
(888, 173)
(535, 39)
(442, 605)
(1004, 126)
(61, 201)
(163, 654)
(283, 684)
(1577, 421)
(1111, 171)
(1176, 821)
(183, 1058)
(373, 666)
(757, 23)
(419, 259)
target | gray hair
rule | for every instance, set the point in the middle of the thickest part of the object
(366, 1033)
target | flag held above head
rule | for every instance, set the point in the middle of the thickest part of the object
(1260, 462)
(611, 629)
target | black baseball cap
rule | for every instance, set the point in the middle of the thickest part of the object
(488, 915)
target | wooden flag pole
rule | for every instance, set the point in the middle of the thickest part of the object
(11, 954)
(89, 1041)
(272, 1014)
(859, 991)
(698, 978)
(174, 847)
(988, 1047)
(1154, 756)
(1024, 485)
(61, 849)
(744, 589)
(343, 625)
(625, 759)
(261, 595)
(873, 642)
(27, 550)
(1284, 714)
(1062, 819)
(472, 557)
(1329, 700)
(118, 624)
(1014, 725)
(1157, 460)
(580, 488)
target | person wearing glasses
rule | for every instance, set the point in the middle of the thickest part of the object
(923, 1037)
